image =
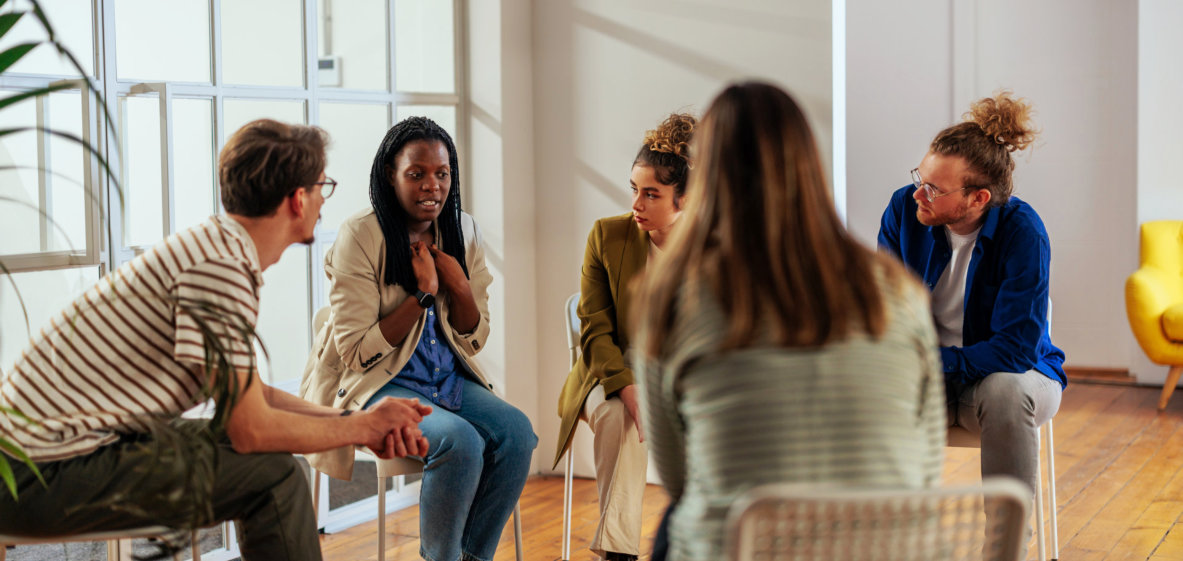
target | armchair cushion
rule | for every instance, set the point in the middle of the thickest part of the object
(1172, 323)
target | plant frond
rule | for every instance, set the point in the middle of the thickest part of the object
(12, 55)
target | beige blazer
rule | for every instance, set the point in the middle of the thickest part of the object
(350, 358)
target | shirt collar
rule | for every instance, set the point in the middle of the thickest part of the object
(239, 234)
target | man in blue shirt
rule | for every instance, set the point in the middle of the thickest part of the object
(985, 256)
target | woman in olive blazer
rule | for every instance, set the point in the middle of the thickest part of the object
(600, 387)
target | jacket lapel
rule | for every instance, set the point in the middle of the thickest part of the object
(634, 254)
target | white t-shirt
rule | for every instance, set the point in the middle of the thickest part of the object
(948, 296)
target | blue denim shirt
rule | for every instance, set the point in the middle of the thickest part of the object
(1006, 290)
(431, 370)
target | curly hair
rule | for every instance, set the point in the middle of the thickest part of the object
(993, 128)
(666, 149)
(392, 218)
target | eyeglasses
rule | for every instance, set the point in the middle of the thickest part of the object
(327, 187)
(930, 190)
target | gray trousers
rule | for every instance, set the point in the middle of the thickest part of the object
(1006, 410)
(265, 494)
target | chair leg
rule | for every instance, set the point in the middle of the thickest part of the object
(517, 530)
(316, 496)
(381, 518)
(567, 472)
(194, 546)
(1039, 506)
(1051, 488)
(1169, 387)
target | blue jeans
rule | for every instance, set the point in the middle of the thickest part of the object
(476, 466)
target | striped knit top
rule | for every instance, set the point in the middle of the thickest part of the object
(859, 412)
(132, 345)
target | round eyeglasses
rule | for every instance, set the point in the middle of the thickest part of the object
(327, 187)
(930, 191)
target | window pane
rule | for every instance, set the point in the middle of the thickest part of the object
(423, 46)
(355, 132)
(193, 161)
(263, 55)
(43, 293)
(284, 324)
(42, 211)
(443, 115)
(66, 193)
(242, 111)
(72, 25)
(143, 224)
(162, 41)
(19, 188)
(352, 44)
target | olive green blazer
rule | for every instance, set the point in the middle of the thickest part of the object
(616, 253)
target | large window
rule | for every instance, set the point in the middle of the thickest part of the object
(179, 77)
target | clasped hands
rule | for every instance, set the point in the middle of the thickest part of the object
(395, 427)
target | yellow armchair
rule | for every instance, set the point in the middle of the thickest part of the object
(1154, 299)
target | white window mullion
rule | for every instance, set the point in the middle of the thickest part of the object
(105, 139)
(218, 96)
(44, 174)
(164, 95)
(460, 73)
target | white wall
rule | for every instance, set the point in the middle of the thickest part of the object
(1160, 146)
(913, 68)
(606, 71)
(500, 189)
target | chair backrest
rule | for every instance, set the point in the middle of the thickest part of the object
(1161, 241)
(571, 310)
(803, 522)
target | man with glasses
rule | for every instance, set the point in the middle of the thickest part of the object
(985, 255)
(100, 389)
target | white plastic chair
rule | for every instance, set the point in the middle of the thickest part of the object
(391, 468)
(118, 543)
(959, 437)
(571, 313)
(805, 522)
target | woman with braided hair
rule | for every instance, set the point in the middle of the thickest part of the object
(409, 309)
(600, 388)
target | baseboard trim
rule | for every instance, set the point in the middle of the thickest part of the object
(1109, 376)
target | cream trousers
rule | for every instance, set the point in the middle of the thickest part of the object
(621, 463)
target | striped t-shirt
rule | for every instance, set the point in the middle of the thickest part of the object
(133, 345)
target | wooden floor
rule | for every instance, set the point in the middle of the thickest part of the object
(1119, 470)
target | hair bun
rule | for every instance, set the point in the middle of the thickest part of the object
(1005, 119)
(672, 135)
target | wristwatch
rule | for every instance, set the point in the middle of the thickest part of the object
(425, 299)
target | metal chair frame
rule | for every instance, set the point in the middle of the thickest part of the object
(571, 314)
(959, 437)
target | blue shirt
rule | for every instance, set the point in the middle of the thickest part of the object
(1006, 288)
(431, 370)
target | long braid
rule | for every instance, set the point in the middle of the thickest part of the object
(392, 218)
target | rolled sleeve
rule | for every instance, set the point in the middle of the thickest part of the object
(216, 310)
